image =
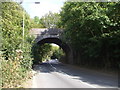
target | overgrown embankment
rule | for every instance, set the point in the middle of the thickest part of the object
(15, 50)
(93, 31)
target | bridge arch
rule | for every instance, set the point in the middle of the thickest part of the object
(59, 42)
(52, 35)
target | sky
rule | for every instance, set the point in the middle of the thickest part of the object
(44, 7)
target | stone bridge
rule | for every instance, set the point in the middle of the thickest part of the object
(45, 33)
(52, 35)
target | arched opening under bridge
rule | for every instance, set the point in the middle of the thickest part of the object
(60, 43)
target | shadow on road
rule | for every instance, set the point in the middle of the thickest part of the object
(43, 68)
(93, 78)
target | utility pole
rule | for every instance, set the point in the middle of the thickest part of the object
(23, 21)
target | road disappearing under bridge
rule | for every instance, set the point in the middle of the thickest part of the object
(52, 74)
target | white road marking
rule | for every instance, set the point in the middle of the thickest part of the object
(46, 79)
(68, 75)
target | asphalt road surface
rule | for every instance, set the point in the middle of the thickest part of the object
(52, 74)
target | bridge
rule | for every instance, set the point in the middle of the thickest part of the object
(41, 33)
(52, 35)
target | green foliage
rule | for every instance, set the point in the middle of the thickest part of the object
(93, 30)
(13, 74)
(36, 19)
(50, 20)
(37, 23)
(46, 51)
(41, 52)
(16, 50)
(57, 53)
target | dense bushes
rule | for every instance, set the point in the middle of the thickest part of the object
(41, 52)
(16, 49)
(93, 30)
(58, 53)
(13, 74)
(46, 51)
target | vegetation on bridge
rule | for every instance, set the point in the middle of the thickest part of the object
(93, 31)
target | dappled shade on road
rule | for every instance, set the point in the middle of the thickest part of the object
(78, 77)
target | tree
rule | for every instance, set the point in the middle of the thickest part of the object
(36, 23)
(16, 52)
(57, 53)
(41, 52)
(50, 20)
(91, 28)
(36, 19)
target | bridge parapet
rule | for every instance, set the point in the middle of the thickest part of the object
(45, 31)
(41, 33)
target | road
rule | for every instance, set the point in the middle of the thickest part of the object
(56, 75)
